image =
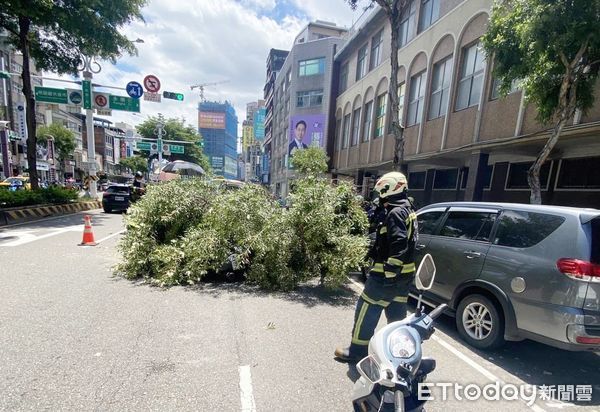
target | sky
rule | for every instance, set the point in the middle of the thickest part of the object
(188, 42)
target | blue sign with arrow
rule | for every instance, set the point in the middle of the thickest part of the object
(135, 90)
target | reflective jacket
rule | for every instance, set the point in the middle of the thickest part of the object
(395, 243)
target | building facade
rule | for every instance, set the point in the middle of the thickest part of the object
(217, 124)
(303, 100)
(462, 140)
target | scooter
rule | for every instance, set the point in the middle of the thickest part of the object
(394, 369)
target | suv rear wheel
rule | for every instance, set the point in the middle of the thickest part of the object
(479, 322)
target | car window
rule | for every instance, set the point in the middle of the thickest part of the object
(595, 258)
(469, 225)
(525, 229)
(118, 190)
(428, 221)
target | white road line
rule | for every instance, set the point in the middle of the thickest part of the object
(28, 238)
(460, 355)
(246, 395)
(110, 236)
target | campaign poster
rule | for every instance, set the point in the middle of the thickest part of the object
(306, 130)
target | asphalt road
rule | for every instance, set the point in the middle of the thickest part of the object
(73, 337)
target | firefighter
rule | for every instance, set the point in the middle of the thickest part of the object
(389, 279)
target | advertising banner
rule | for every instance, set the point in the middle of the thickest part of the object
(306, 130)
(259, 124)
(231, 166)
(217, 163)
(211, 120)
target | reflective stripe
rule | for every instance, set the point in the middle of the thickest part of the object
(359, 321)
(409, 222)
(395, 262)
(401, 299)
(409, 268)
(378, 268)
(390, 275)
(360, 342)
(374, 302)
(383, 230)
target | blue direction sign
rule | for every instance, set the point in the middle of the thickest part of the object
(135, 90)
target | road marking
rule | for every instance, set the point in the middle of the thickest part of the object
(113, 235)
(25, 238)
(66, 216)
(246, 396)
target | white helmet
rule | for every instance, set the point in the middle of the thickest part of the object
(390, 184)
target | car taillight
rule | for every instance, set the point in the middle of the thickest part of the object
(105, 194)
(579, 269)
(586, 340)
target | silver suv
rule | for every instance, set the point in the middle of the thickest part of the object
(516, 271)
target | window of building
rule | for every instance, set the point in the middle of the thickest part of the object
(575, 173)
(355, 127)
(429, 221)
(343, 77)
(430, 12)
(311, 67)
(376, 46)
(368, 121)
(346, 132)
(380, 120)
(471, 77)
(517, 175)
(417, 180)
(361, 65)
(495, 94)
(401, 96)
(415, 99)
(464, 178)
(310, 98)
(338, 132)
(407, 24)
(445, 179)
(521, 229)
(469, 225)
(440, 88)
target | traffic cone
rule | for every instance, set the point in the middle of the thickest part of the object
(88, 234)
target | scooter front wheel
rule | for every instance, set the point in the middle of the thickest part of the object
(398, 401)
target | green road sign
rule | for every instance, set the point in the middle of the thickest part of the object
(4, 75)
(51, 95)
(124, 103)
(177, 149)
(86, 87)
(143, 146)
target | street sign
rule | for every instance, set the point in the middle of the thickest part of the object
(75, 97)
(101, 100)
(134, 89)
(166, 149)
(51, 95)
(152, 97)
(4, 75)
(174, 96)
(153, 148)
(142, 145)
(104, 112)
(177, 149)
(124, 103)
(151, 83)
(86, 86)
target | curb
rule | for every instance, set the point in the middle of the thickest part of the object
(27, 214)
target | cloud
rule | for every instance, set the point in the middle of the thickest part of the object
(196, 41)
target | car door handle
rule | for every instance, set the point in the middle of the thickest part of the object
(419, 246)
(471, 254)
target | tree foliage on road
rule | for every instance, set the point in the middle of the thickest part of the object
(56, 33)
(64, 140)
(393, 10)
(180, 231)
(553, 49)
(135, 164)
(177, 129)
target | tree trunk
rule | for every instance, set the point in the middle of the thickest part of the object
(397, 130)
(24, 26)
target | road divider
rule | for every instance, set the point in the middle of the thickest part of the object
(26, 214)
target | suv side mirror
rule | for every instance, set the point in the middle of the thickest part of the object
(425, 273)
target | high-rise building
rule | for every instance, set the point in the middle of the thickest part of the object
(217, 123)
(303, 100)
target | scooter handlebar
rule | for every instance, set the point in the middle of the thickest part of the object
(438, 311)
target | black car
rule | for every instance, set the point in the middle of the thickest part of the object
(116, 197)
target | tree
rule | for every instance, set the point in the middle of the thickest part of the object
(64, 140)
(135, 164)
(393, 10)
(311, 161)
(176, 129)
(56, 33)
(552, 47)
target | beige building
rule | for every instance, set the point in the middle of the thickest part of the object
(463, 142)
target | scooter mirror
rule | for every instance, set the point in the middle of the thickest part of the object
(425, 273)
(369, 369)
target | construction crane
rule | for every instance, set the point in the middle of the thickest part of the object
(201, 87)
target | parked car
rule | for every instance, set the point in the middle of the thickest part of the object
(19, 181)
(516, 271)
(116, 197)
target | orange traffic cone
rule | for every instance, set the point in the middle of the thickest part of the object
(88, 234)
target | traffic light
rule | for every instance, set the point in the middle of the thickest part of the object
(173, 96)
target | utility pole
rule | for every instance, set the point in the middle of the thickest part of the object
(90, 66)
(160, 133)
